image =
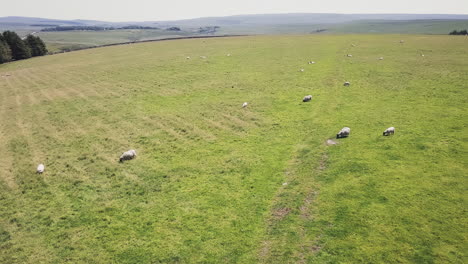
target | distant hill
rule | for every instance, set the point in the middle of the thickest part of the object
(83, 35)
(241, 20)
(37, 20)
(284, 19)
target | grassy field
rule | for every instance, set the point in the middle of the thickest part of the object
(216, 183)
(440, 27)
(74, 40)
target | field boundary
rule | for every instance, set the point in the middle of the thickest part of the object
(145, 41)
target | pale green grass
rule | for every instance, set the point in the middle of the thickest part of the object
(207, 185)
(73, 40)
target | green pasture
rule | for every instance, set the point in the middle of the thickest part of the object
(217, 183)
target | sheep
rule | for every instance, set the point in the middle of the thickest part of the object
(229, 55)
(128, 155)
(353, 45)
(389, 131)
(203, 57)
(344, 132)
(347, 84)
(307, 98)
(188, 58)
(301, 70)
(349, 55)
(244, 105)
(381, 58)
(40, 168)
(311, 62)
(402, 41)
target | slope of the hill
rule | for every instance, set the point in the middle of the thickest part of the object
(277, 24)
(217, 183)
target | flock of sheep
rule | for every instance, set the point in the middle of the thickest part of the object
(344, 132)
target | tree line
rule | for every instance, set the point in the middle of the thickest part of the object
(461, 32)
(12, 47)
(91, 28)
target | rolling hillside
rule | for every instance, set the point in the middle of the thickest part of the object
(217, 183)
(269, 24)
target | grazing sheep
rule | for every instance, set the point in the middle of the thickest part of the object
(381, 58)
(422, 55)
(203, 57)
(188, 58)
(402, 41)
(244, 105)
(347, 84)
(389, 131)
(311, 62)
(229, 55)
(353, 45)
(344, 132)
(128, 155)
(349, 55)
(40, 168)
(301, 70)
(307, 98)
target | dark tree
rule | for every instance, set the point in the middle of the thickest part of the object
(461, 32)
(5, 52)
(19, 49)
(37, 46)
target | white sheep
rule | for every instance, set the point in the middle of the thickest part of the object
(40, 168)
(349, 55)
(381, 58)
(389, 131)
(311, 62)
(307, 98)
(347, 84)
(301, 70)
(203, 57)
(229, 55)
(128, 155)
(344, 132)
(244, 105)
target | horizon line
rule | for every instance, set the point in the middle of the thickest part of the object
(245, 14)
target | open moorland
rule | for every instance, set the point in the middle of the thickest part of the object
(217, 183)
(259, 24)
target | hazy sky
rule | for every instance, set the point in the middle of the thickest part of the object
(140, 10)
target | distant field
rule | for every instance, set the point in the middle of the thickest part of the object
(437, 27)
(440, 27)
(217, 183)
(75, 40)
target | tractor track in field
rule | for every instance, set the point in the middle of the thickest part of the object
(304, 212)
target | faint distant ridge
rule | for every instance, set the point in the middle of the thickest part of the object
(41, 21)
(308, 18)
(239, 20)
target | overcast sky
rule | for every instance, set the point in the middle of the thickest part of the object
(154, 10)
